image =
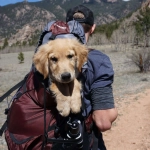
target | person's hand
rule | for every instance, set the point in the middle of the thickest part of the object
(104, 118)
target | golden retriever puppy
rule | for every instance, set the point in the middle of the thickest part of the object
(62, 60)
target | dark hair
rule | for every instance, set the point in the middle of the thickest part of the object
(79, 15)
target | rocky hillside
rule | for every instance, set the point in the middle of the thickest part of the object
(22, 21)
(146, 4)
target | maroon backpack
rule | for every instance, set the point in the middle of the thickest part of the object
(33, 122)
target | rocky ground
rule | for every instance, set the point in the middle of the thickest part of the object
(131, 92)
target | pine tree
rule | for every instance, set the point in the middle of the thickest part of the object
(5, 43)
(142, 26)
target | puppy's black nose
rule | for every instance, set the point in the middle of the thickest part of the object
(66, 76)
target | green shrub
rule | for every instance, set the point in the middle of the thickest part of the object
(107, 29)
(21, 57)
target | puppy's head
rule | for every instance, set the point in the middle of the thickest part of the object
(60, 58)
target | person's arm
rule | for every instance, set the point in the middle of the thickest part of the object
(102, 100)
(104, 118)
(104, 111)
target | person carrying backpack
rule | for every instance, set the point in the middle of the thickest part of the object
(99, 74)
(33, 122)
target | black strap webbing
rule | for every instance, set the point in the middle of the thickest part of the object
(12, 89)
(45, 132)
(95, 137)
(85, 138)
(95, 142)
(3, 128)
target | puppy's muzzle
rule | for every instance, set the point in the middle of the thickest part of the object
(66, 77)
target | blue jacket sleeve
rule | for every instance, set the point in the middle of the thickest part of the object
(100, 71)
(99, 78)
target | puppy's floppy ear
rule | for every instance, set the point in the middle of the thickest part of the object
(40, 59)
(82, 52)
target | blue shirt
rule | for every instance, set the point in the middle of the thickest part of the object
(98, 76)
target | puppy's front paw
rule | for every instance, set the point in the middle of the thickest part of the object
(76, 106)
(75, 109)
(63, 111)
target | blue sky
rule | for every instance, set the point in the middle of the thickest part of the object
(6, 2)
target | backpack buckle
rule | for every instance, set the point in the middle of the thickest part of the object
(6, 111)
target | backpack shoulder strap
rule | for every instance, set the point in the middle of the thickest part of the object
(3, 128)
(13, 89)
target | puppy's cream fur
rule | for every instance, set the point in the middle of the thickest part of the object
(58, 58)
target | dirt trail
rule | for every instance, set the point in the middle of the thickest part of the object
(131, 130)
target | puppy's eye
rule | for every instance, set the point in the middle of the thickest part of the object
(70, 56)
(54, 59)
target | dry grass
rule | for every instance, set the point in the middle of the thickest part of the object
(127, 79)
(16, 49)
